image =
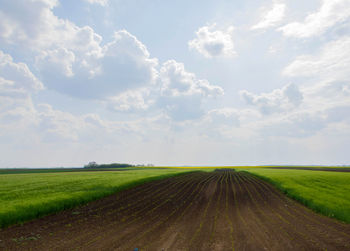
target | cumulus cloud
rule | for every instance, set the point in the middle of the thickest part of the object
(182, 93)
(71, 59)
(32, 24)
(17, 75)
(176, 81)
(212, 42)
(131, 101)
(178, 93)
(18, 113)
(331, 12)
(100, 2)
(276, 101)
(59, 60)
(331, 63)
(122, 64)
(17, 83)
(272, 17)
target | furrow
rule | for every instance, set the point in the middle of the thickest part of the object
(152, 213)
(258, 239)
(122, 221)
(203, 217)
(175, 228)
(112, 215)
(184, 205)
(307, 240)
(228, 178)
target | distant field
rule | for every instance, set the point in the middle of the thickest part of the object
(327, 192)
(59, 170)
(28, 194)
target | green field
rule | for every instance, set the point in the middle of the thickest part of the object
(28, 194)
(326, 192)
(31, 193)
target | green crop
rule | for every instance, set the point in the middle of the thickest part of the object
(326, 192)
(28, 195)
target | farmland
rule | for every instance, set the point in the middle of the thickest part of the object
(326, 192)
(220, 210)
(28, 194)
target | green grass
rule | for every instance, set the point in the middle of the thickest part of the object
(64, 170)
(325, 192)
(26, 195)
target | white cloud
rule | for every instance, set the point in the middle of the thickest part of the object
(54, 123)
(17, 83)
(272, 17)
(59, 60)
(278, 100)
(33, 24)
(71, 59)
(131, 101)
(294, 125)
(224, 116)
(18, 75)
(162, 107)
(330, 64)
(182, 93)
(326, 96)
(178, 94)
(100, 2)
(331, 12)
(118, 66)
(212, 42)
(176, 81)
(20, 116)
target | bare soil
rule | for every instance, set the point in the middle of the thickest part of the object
(222, 210)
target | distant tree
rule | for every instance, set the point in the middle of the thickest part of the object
(114, 165)
(91, 164)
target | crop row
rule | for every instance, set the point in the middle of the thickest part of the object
(204, 215)
(115, 212)
(180, 210)
(140, 209)
(276, 217)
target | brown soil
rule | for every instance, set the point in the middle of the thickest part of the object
(223, 210)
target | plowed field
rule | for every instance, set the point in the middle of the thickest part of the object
(222, 210)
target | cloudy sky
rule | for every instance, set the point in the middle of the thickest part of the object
(174, 82)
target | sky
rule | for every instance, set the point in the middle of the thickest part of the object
(174, 82)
